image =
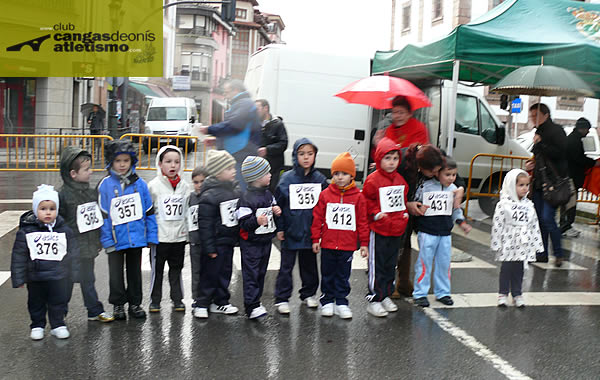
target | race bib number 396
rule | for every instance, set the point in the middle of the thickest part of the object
(304, 195)
(341, 216)
(126, 208)
(89, 217)
(439, 202)
(50, 246)
(391, 198)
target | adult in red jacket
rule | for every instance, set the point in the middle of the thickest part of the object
(385, 191)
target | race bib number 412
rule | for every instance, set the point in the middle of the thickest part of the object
(439, 202)
(126, 208)
(50, 246)
(89, 217)
(391, 198)
(304, 196)
(341, 216)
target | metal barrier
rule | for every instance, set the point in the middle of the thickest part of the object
(30, 152)
(188, 144)
(493, 187)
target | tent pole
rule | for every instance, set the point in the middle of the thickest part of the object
(452, 107)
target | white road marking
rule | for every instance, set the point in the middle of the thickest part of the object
(9, 220)
(465, 300)
(4, 275)
(565, 265)
(13, 201)
(474, 345)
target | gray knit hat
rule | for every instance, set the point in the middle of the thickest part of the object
(218, 160)
(254, 168)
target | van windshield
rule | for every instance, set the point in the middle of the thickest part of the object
(167, 113)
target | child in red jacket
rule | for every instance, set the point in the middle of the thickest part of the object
(385, 191)
(339, 222)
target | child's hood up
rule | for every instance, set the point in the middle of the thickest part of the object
(114, 148)
(509, 185)
(300, 142)
(385, 146)
(68, 155)
(161, 151)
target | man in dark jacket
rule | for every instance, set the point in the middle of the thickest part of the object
(274, 141)
(550, 146)
(240, 132)
(95, 121)
(578, 163)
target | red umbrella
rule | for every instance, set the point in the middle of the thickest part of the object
(379, 91)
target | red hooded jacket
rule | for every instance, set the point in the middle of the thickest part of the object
(341, 240)
(412, 132)
(395, 222)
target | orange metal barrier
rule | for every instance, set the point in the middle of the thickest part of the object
(30, 152)
(499, 166)
(193, 149)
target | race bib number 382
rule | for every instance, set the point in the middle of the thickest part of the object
(341, 216)
(50, 246)
(304, 195)
(89, 217)
(391, 198)
(126, 208)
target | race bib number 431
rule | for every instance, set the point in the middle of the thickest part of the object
(340, 216)
(89, 217)
(170, 207)
(304, 195)
(439, 202)
(126, 208)
(47, 245)
(391, 198)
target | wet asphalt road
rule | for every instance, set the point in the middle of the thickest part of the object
(558, 342)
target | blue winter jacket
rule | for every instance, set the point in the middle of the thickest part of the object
(296, 223)
(241, 129)
(135, 234)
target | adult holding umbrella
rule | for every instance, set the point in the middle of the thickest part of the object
(95, 120)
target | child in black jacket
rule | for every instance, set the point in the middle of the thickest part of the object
(256, 210)
(218, 233)
(45, 256)
(199, 174)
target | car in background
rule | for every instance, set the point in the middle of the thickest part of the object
(591, 143)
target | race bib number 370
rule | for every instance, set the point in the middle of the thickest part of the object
(341, 216)
(126, 208)
(170, 207)
(391, 198)
(47, 245)
(304, 195)
(439, 202)
(89, 217)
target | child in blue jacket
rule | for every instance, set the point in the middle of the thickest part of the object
(129, 225)
(297, 193)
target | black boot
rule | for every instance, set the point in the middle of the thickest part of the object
(136, 311)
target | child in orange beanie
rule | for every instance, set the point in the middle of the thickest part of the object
(339, 225)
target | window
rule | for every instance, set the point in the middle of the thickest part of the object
(241, 13)
(200, 66)
(406, 17)
(570, 103)
(488, 125)
(438, 11)
(186, 62)
(167, 113)
(241, 41)
(589, 145)
(466, 115)
(185, 21)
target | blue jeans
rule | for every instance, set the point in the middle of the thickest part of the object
(438, 248)
(336, 267)
(546, 214)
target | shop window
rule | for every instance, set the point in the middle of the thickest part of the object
(570, 103)
(406, 17)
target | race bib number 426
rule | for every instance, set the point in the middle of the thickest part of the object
(304, 195)
(341, 216)
(47, 245)
(89, 217)
(126, 208)
(439, 202)
(391, 198)
(519, 215)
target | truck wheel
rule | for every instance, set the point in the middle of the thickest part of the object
(488, 204)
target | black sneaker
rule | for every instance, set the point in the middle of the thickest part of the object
(423, 302)
(178, 306)
(119, 313)
(541, 258)
(446, 300)
(136, 311)
(154, 308)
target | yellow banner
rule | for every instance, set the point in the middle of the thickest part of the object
(75, 38)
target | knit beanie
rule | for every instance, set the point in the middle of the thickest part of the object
(44, 193)
(217, 161)
(344, 163)
(582, 122)
(254, 168)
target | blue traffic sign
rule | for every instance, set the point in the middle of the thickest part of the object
(516, 105)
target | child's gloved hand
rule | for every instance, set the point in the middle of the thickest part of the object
(276, 210)
(262, 220)
(364, 251)
(281, 236)
(316, 247)
(466, 227)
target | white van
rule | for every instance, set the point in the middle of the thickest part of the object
(591, 142)
(299, 87)
(169, 116)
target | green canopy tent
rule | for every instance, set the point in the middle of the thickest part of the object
(516, 33)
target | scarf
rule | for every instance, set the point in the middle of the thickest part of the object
(347, 187)
(123, 178)
(174, 181)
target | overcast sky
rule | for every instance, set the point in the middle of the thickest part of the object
(345, 26)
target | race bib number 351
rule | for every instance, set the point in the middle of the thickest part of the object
(439, 202)
(340, 216)
(89, 217)
(170, 207)
(391, 198)
(126, 208)
(50, 246)
(304, 195)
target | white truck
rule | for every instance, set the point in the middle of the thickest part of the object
(169, 117)
(300, 87)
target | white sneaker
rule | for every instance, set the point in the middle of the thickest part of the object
(258, 312)
(102, 317)
(389, 305)
(283, 307)
(519, 301)
(311, 301)
(343, 311)
(200, 312)
(502, 299)
(376, 309)
(572, 233)
(327, 310)
(224, 309)
(60, 332)
(37, 333)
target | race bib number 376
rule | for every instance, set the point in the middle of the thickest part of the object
(341, 216)
(126, 208)
(50, 246)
